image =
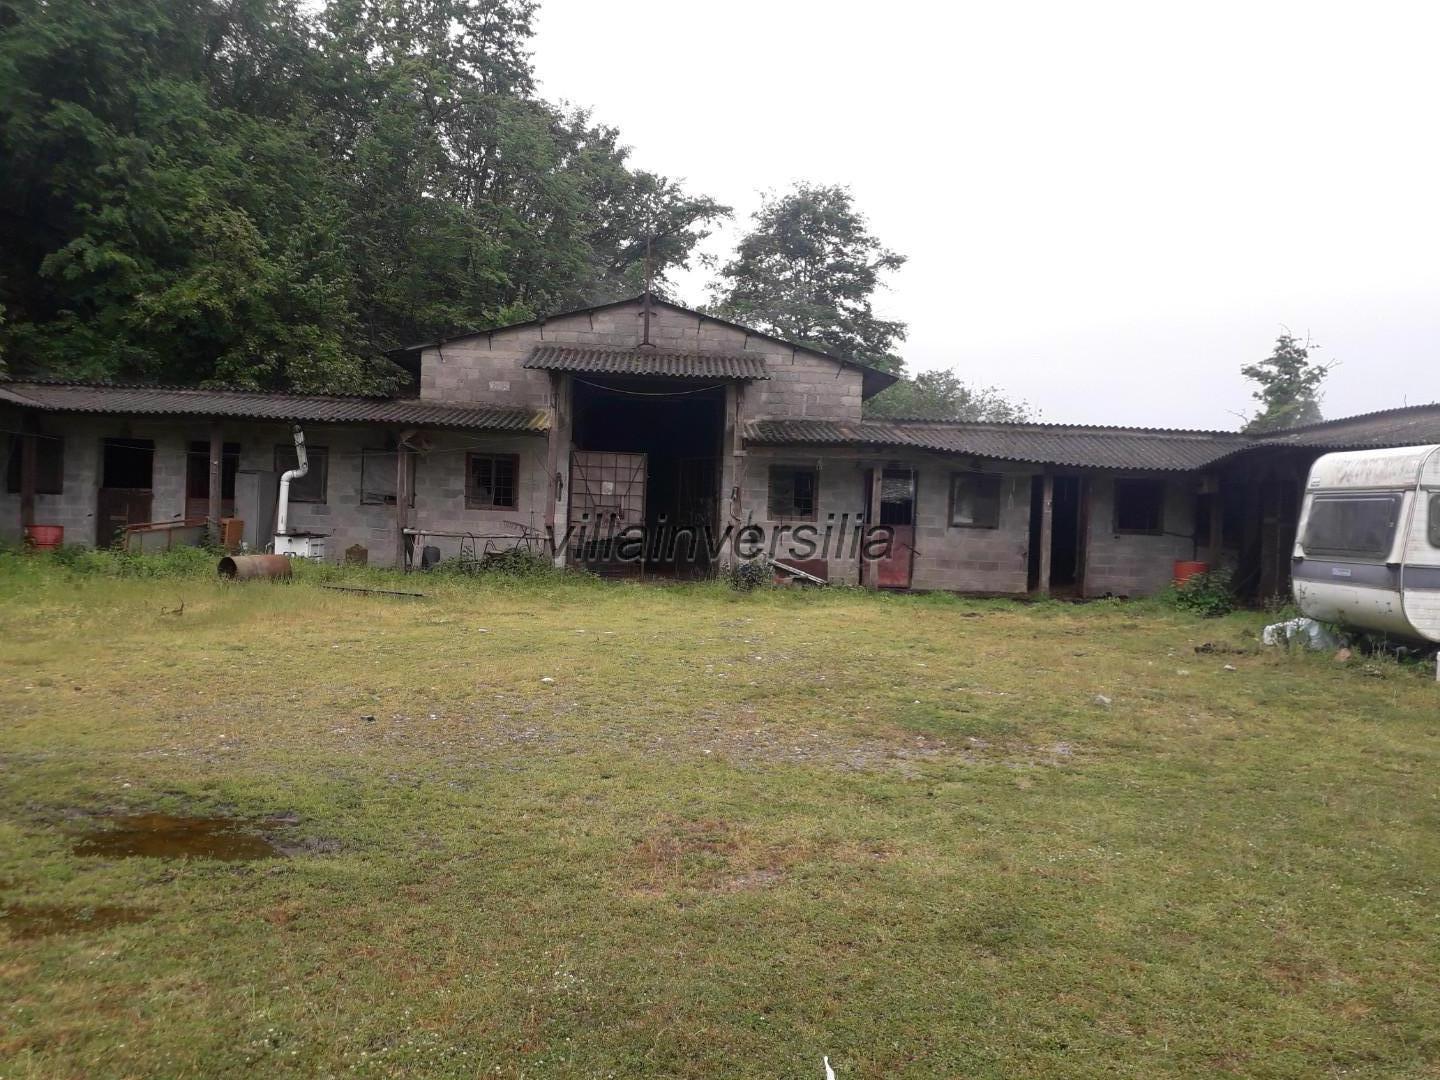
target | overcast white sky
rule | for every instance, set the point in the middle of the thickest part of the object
(1108, 207)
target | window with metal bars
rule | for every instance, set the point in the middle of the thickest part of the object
(309, 488)
(49, 464)
(793, 492)
(975, 501)
(492, 481)
(1140, 506)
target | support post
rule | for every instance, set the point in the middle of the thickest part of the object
(27, 480)
(729, 499)
(217, 457)
(557, 465)
(402, 496)
(872, 518)
(1047, 532)
(1217, 524)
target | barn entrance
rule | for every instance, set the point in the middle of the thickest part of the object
(647, 453)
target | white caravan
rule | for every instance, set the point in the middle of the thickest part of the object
(1367, 552)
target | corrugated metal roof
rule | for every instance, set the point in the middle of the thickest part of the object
(1415, 425)
(596, 360)
(1049, 444)
(259, 405)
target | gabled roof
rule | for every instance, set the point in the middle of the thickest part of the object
(258, 405)
(1042, 444)
(873, 379)
(600, 360)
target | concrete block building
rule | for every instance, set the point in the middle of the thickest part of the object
(709, 441)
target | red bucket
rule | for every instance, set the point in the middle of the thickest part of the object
(1185, 570)
(44, 537)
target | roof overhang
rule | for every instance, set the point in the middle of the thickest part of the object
(1068, 446)
(185, 402)
(646, 361)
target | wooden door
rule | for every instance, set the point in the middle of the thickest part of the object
(116, 508)
(890, 505)
(127, 471)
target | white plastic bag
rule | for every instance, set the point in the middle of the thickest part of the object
(1307, 632)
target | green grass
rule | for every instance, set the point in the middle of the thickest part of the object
(736, 832)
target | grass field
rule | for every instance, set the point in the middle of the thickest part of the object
(579, 830)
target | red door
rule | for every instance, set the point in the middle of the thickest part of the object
(891, 507)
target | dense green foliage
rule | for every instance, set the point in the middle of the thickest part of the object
(1210, 594)
(260, 194)
(1288, 386)
(943, 395)
(807, 272)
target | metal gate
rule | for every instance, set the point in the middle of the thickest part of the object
(607, 498)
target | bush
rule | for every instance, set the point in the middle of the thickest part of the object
(81, 561)
(1210, 594)
(515, 563)
(746, 575)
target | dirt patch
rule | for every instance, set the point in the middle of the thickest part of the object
(167, 836)
(27, 921)
(900, 751)
(1224, 648)
(764, 878)
(706, 855)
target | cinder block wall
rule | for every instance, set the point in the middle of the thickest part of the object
(955, 559)
(74, 508)
(439, 487)
(840, 503)
(439, 481)
(1126, 564)
(488, 368)
(971, 560)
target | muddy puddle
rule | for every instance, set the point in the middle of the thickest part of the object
(27, 921)
(166, 836)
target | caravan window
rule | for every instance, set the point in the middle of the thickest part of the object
(1435, 520)
(1358, 526)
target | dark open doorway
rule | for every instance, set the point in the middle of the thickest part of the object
(1069, 521)
(127, 472)
(679, 428)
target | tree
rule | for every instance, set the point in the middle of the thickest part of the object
(943, 395)
(1288, 386)
(265, 194)
(807, 271)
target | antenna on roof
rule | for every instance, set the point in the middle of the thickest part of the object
(645, 309)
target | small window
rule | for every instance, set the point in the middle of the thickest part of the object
(309, 488)
(197, 470)
(1140, 506)
(974, 501)
(1435, 520)
(49, 465)
(127, 464)
(377, 478)
(792, 492)
(492, 481)
(1357, 526)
